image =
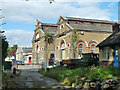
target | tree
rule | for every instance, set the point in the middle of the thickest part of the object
(48, 40)
(4, 48)
(12, 49)
(75, 38)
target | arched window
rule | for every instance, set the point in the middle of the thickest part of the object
(63, 45)
(80, 50)
(92, 48)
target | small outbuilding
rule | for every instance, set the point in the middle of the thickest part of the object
(109, 49)
(24, 54)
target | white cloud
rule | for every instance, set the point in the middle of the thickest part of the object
(62, 0)
(111, 4)
(20, 37)
(30, 11)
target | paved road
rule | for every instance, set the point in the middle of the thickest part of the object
(30, 78)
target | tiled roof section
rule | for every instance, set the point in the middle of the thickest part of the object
(111, 40)
(27, 49)
(48, 24)
(90, 27)
(89, 20)
(51, 28)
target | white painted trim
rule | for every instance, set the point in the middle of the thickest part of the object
(69, 26)
(42, 31)
(60, 43)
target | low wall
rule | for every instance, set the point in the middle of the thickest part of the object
(29, 66)
(107, 63)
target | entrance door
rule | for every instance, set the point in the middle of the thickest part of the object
(63, 54)
(115, 57)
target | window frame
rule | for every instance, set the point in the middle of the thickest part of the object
(80, 50)
(106, 53)
(92, 49)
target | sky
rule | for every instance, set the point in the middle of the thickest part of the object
(20, 15)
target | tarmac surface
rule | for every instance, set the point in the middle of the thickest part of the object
(30, 78)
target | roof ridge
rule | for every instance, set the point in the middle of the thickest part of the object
(90, 19)
(48, 24)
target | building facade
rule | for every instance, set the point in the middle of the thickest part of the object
(38, 42)
(24, 54)
(89, 33)
(109, 53)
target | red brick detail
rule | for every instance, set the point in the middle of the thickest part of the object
(91, 43)
(80, 42)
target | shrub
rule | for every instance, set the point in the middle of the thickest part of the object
(68, 76)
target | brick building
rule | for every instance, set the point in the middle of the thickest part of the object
(90, 33)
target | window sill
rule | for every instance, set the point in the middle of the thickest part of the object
(105, 60)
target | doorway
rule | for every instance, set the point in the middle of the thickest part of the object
(115, 57)
(63, 54)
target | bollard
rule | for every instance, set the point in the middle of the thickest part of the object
(14, 70)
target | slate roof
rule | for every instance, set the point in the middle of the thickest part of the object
(88, 20)
(50, 30)
(111, 40)
(27, 49)
(90, 27)
(48, 24)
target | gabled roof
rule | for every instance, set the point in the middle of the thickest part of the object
(88, 20)
(95, 27)
(22, 49)
(85, 20)
(111, 40)
(27, 49)
(62, 18)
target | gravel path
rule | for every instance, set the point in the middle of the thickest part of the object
(30, 78)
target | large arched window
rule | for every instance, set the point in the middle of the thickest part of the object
(93, 48)
(80, 47)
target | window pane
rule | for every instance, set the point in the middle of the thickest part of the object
(106, 54)
(92, 48)
(80, 50)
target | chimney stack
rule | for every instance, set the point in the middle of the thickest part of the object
(116, 27)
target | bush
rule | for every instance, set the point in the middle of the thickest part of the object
(7, 82)
(68, 76)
